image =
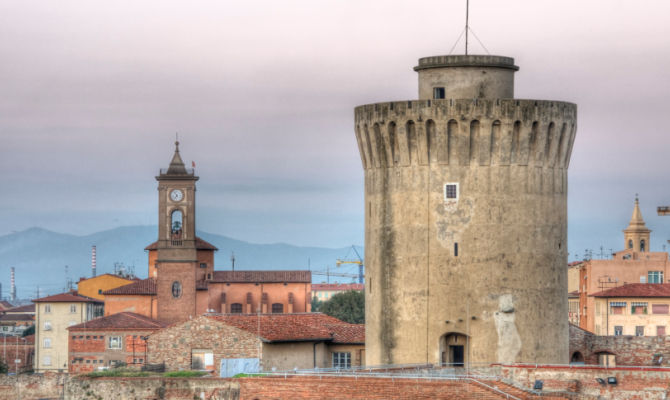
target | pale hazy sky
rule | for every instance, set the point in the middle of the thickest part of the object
(262, 94)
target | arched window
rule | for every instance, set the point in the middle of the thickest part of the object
(176, 289)
(642, 245)
(630, 243)
(277, 308)
(577, 358)
(236, 308)
(176, 224)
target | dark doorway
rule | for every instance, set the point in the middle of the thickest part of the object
(456, 356)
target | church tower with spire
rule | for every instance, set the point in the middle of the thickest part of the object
(176, 262)
(636, 235)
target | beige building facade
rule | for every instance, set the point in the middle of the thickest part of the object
(53, 315)
(637, 309)
(465, 219)
(632, 265)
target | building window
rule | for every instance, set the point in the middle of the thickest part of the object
(47, 325)
(99, 291)
(277, 308)
(236, 308)
(438, 93)
(639, 331)
(341, 360)
(617, 307)
(660, 330)
(47, 308)
(73, 308)
(203, 265)
(451, 191)
(114, 342)
(202, 359)
(46, 360)
(618, 330)
(46, 343)
(655, 277)
(630, 243)
(176, 289)
(642, 245)
(660, 309)
(638, 308)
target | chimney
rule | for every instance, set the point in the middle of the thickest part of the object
(93, 261)
(13, 286)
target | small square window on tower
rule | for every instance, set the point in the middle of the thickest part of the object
(451, 192)
(438, 93)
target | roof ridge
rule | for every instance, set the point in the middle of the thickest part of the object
(143, 318)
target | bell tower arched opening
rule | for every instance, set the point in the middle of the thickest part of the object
(454, 349)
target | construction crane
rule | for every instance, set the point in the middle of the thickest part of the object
(328, 274)
(358, 261)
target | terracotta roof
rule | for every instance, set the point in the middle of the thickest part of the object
(572, 264)
(199, 245)
(337, 286)
(121, 321)
(5, 305)
(142, 287)
(28, 308)
(16, 317)
(637, 290)
(263, 276)
(295, 327)
(68, 297)
(574, 293)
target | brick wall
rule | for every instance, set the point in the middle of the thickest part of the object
(15, 348)
(88, 350)
(173, 345)
(172, 309)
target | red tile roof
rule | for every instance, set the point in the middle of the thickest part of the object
(199, 244)
(295, 327)
(26, 309)
(574, 293)
(637, 290)
(121, 321)
(5, 305)
(16, 317)
(263, 276)
(68, 297)
(337, 286)
(142, 287)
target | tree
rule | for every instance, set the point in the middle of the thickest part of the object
(316, 304)
(347, 306)
(29, 331)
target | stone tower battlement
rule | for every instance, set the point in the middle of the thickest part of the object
(466, 219)
(466, 132)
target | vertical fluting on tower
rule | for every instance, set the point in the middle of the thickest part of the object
(465, 219)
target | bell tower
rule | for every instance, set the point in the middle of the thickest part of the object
(176, 261)
(636, 235)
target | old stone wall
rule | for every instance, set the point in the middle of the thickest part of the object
(488, 265)
(32, 386)
(151, 389)
(628, 350)
(173, 345)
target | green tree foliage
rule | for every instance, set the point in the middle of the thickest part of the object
(3, 367)
(347, 306)
(29, 331)
(316, 304)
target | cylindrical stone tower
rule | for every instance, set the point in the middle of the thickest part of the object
(465, 219)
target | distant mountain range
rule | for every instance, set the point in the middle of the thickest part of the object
(40, 256)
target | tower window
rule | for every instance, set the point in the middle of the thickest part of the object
(203, 265)
(438, 93)
(642, 245)
(630, 244)
(176, 289)
(176, 224)
(455, 249)
(451, 191)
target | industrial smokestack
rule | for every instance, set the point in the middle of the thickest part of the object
(13, 286)
(93, 260)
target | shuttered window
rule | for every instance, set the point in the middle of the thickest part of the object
(660, 309)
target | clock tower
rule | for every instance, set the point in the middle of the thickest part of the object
(176, 262)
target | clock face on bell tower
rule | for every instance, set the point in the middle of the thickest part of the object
(176, 261)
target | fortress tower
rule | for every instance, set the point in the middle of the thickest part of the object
(465, 219)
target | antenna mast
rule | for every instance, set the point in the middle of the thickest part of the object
(467, 28)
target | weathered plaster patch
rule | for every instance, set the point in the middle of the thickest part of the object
(451, 220)
(509, 341)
